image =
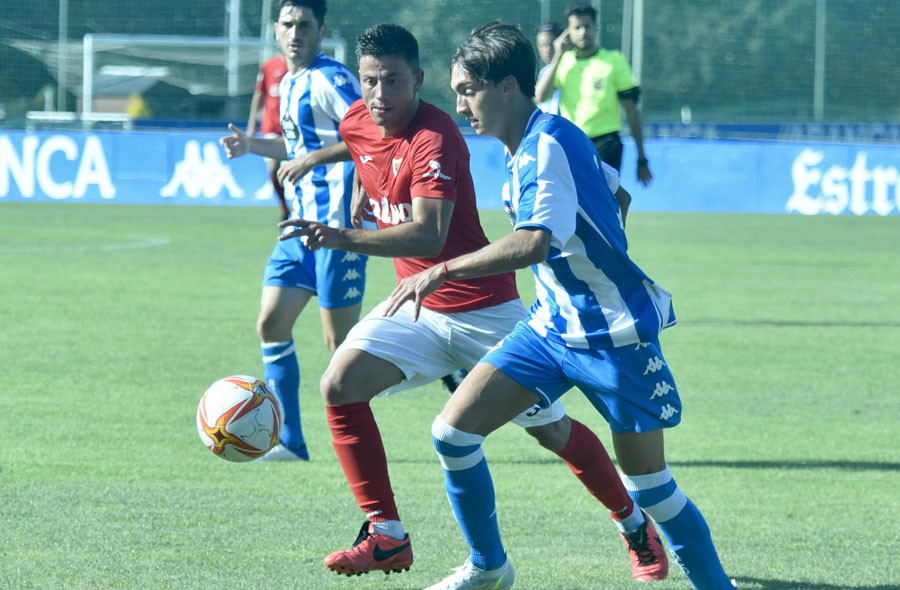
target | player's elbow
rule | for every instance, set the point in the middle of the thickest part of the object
(533, 246)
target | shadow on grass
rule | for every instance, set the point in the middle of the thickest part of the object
(762, 584)
(778, 465)
(836, 465)
(789, 323)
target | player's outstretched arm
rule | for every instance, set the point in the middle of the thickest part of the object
(294, 170)
(239, 144)
(423, 235)
(519, 249)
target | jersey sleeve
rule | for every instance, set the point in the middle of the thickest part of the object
(547, 195)
(437, 164)
(339, 90)
(621, 74)
(260, 79)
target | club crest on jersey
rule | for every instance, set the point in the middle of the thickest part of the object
(288, 128)
(340, 80)
(395, 165)
(436, 171)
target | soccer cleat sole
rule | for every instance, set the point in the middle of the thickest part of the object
(350, 572)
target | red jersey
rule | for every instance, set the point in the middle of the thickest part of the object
(270, 75)
(429, 159)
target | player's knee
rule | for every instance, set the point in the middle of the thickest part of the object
(272, 329)
(553, 436)
(338, 387)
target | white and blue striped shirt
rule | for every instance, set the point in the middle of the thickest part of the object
(589, 292)
(313, 102)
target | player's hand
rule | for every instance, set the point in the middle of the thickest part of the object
(561, 44)
(360, 210)
(237, 144)
(643, 173)
(318, 235)
(415, 288)
(293, 170)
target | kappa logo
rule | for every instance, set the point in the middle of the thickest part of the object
(365, 159)
(201, 172)
(654, 365)
(524, 160)
(641, 345)
(352, 293)
(350, 257)
(662, 388)
(395, 165)
(340, 80)
(436, 171)
(667, 412)
(351, 275)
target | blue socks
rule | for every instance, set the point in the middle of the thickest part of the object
(683, 526)
(283, 378)
(471, 492)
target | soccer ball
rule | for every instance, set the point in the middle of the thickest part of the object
(239, 418)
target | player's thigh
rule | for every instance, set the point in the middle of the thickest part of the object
(631, 386)
(337, 322)
(472, 334)
(640, 453)
(486, 400)
(355, 375)
(278, 310)
(533, 362)
(419, 349)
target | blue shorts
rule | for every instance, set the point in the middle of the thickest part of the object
(337, 277)
(630, 385)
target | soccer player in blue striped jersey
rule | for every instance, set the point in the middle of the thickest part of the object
(594, 326)
(314, 96)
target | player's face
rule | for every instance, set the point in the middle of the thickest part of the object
(582, 31)
(299, 35)
(481, 103)
(389, 90)
(544, 42)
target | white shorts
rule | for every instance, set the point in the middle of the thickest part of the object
(439, 344)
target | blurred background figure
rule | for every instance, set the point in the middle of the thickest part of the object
(265, 100)
(593, 82)
(546, 34)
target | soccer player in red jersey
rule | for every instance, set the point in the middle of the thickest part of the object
(267, 82)
(413, 165)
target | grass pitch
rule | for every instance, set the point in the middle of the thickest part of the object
(114, 320)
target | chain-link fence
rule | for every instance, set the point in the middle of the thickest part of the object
(697, 60)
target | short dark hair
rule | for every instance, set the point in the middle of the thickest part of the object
(318, 7)
(388, 40)
(581, 9)
(552, 28)
(497, 50)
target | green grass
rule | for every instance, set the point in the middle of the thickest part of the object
(785, 355)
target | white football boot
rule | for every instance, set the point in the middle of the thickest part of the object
(281, 453)
(469, 577)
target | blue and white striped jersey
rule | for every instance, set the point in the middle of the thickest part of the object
(590, 294)
(313, 102)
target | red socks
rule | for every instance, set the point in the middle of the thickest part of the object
(589, 461)
(359, 449)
